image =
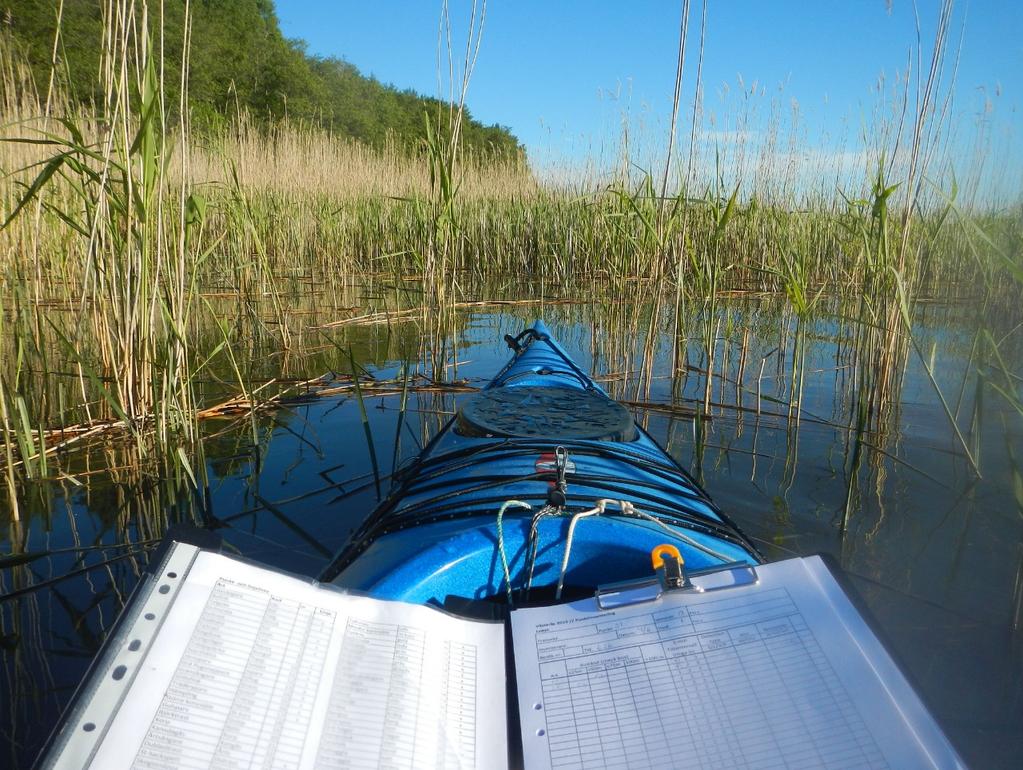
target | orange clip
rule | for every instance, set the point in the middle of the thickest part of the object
(657, 555)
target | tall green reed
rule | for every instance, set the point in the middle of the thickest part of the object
(102, 191)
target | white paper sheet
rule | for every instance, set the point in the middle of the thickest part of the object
(256, 669)
(782, 673)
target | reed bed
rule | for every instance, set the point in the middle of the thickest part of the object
(137, 259)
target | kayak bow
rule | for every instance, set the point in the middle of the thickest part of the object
(541, 483)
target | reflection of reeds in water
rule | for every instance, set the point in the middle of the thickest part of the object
(63, 600)
(756, 340)
(747, 389)
(21, 641)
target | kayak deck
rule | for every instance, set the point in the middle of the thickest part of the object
(542, 434)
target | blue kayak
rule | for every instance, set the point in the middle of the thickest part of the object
(540, 487)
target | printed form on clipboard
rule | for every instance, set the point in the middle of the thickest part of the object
(221, 663)
(780, 671)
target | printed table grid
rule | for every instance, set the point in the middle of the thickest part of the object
(243, 692)
(375, 716)
(240, 694)
(681, 687)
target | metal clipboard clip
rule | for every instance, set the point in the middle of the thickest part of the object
(671, 576)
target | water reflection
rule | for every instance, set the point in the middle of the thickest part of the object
(808, 437)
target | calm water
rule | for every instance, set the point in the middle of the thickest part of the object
(934, 551)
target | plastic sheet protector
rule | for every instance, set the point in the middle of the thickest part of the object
(253, 668)
(780, 673)
(217, 663)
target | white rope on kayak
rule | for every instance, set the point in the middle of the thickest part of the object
(500, 542)
(627, 509)
(568, 543)
(534, 542)
(675, 533)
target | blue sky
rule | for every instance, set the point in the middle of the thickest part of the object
(563, 74)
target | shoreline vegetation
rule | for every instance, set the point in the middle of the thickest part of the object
(235, 60)
(141, 258)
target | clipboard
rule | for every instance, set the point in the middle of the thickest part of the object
(774, 663)
(622, 594)
(623, 629)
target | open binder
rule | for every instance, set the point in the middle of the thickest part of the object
(220, 663)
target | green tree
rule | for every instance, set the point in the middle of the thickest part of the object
(239, 60)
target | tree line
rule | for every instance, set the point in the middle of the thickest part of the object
(239, 61)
